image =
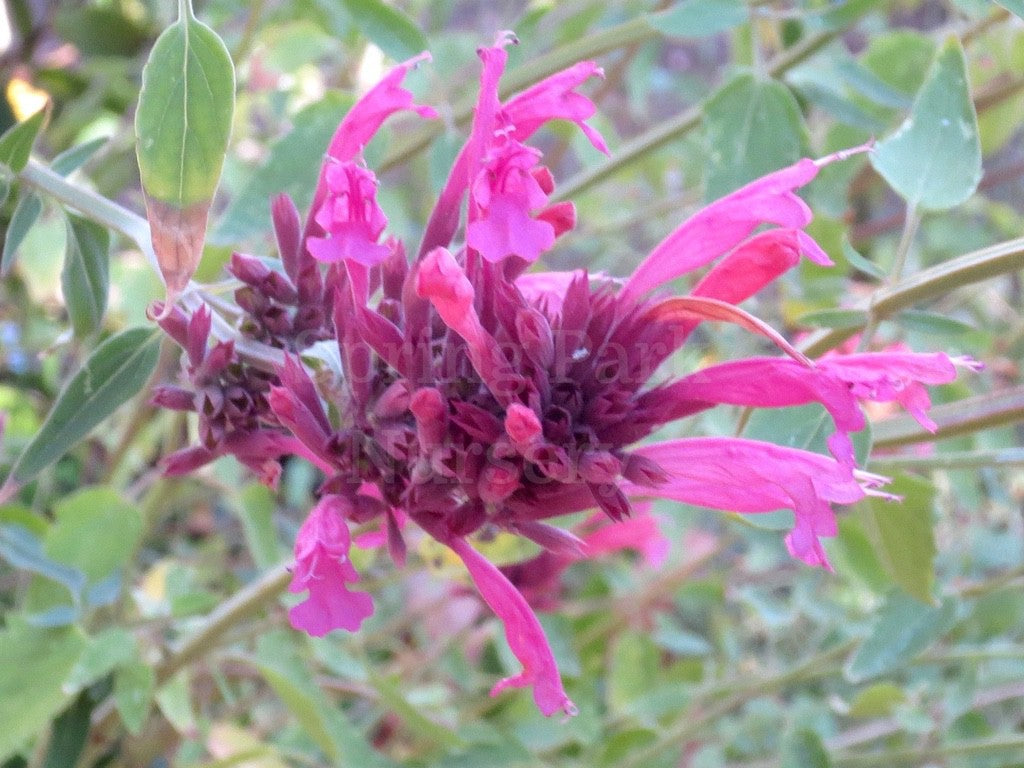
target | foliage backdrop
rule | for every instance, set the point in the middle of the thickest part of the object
(141, 619)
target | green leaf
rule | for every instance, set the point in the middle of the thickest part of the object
(115, 371)
(33, 665)
(70, 160)
(292, 166)
(256, 507)
(1013, 6)
(853, 555)
(16, 143)
(95, 530)
(183, 120)
(175, 701)
(934, 323)
(105, 652)
(700, 18)
(85, 278)
(904, 627)
(806, 427)
(387, 27)
(25, 214)
(858, 262)
(834, 318)
(69, 732)
(182, 126)
(633, 670)
(737, 121)
(934, 159)
(878, 700)
(903, 534)
(278, 662)
(23, 550)
(390, 690)
(803, 748)
(134, 685)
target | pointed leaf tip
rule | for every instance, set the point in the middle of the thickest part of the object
(182, 127)
(933, 160)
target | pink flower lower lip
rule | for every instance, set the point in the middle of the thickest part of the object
(474, 395)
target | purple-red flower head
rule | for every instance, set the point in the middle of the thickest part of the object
(477, 397)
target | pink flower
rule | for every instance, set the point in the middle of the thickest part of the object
(525, 634)
(476, 397)
(350, 216)
(322, 567)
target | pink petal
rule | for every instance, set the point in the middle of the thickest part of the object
(749, 476)
(508, 229)
(555, 98)
(762, 382)
(895, 376)
(380, 102)
(753, 265)
(441, 280)
(362, 122)
(725, 223)
(640, 532)
(322, 567)
(524, 633)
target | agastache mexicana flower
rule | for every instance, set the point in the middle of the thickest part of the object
(476, 397)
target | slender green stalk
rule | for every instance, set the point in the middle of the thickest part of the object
(243, 604)
(927, 284)
(91, 205)
(1007, 457)
(911, 223)
(1011, 746)
(962, 417)
(247, 601)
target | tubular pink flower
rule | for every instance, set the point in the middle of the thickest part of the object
(369, 113)
(363, 120)
(322, 567)
(350, 216)
(757, 262)
(749, 476)
(441, 280)
(717, 229)
(554, 98)
(506, 197)
(524, 633)
(474, 395)
(897, 376)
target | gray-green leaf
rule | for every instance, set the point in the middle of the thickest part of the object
(183, 120)
(700, 18)
(182, 126)
(85, 277)
(116, 370)
(390, 29)
(933, 160)
(25, 214)
(752, 127)
(904, 627)
(903, 534)
(16, 143)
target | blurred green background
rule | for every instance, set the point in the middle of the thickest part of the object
(115, 582)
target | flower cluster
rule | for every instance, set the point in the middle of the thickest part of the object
(479, 395)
